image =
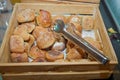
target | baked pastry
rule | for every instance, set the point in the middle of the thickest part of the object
(87, 22)
(30, 26)
(38, 31)
(74, 19)
(44, 18)
(27, 47)
(73, 54)
(59, 46)
(59, 17)
(45, 39)
(19, 57)
(21, 30)
(39, 60)
(54, 55)
(94, 43)
(31, 40)
(16, 44)
(26, 15)
(35, 52)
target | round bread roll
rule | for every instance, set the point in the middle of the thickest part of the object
(30, 26)
(73, 54)
(26, 15)
(45, 38)
(87, 23)
(59, 17)
(54, 55)
(21, 30)
(39, 60)
(44, 18)
(74, 19)
(94, 43)
(19, 57)
(16, 44)
(35, 52)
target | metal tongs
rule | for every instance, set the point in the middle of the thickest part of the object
(68, 32)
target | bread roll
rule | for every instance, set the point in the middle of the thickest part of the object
(16, 44)
(44, 18)
(19, 57)
(26, 15)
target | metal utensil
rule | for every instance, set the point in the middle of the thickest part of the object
(60, 27)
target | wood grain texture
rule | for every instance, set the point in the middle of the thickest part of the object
(88, 67)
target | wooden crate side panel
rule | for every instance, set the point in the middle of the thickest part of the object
(80, 1)
(58, 75)
(107, 46)
(40, 67)
(60, 8)
(4, 52)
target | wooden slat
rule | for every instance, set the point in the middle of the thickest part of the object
(57, 75)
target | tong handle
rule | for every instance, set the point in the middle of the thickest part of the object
(87, 46)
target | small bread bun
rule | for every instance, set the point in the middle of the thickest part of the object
(59, 17)
(39, 60)
(21, 30)
(45, 39)
(19, 57)
(73, 54)
(16, 44)
(44, 18)
(74, 19)
(35, 52)
(30, 26)
(54, 55)
(94, 43)
(26, 15)
(87, 23)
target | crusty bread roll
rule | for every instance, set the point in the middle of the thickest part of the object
(54, 55)
(21, 30)
(35, 52)
(26, 15)
(19, 57)
(16, 44)
(45, 38)
(87, 22)
(30, 26)
(73, 54)
(44, 18)
(39, 60)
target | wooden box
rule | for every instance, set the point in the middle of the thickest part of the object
(58, 70)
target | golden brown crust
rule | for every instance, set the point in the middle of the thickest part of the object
(74, 19)
(73, 54)
(30, 26)
(35, 52)
(19, 57)
(21, 30)
(39, 60)
(87, 23)
(44, 18)
(16, 44)
(26, 15)
(54, 55)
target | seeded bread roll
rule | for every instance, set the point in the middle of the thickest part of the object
(26, 15)
(16, 44)
(44, 18)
